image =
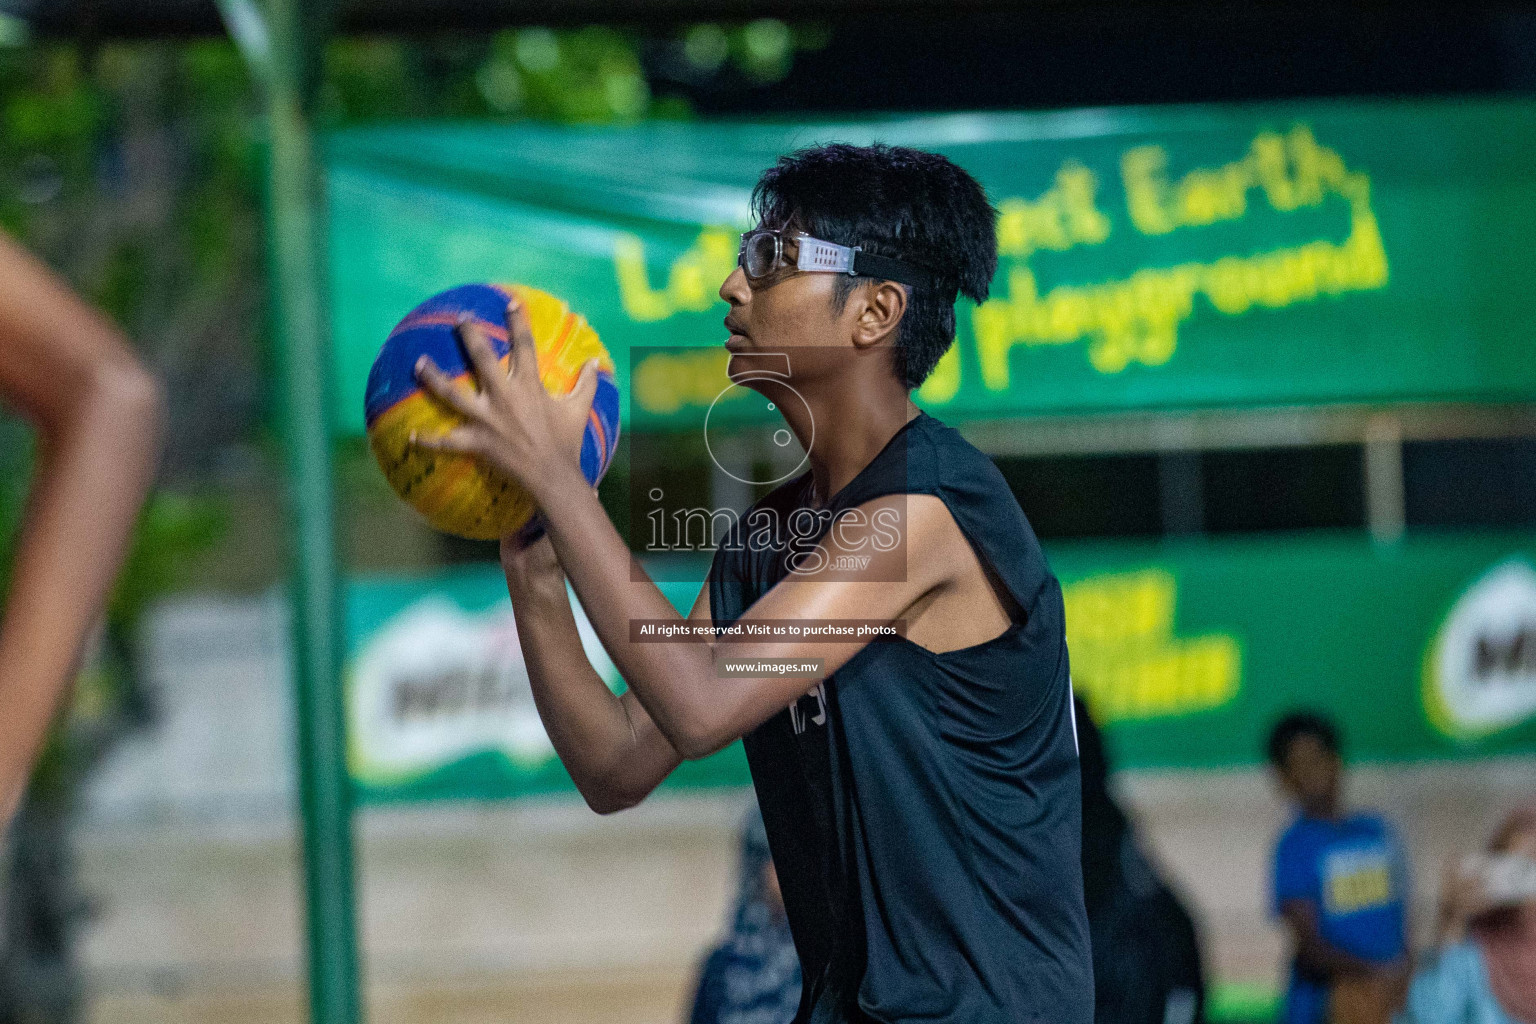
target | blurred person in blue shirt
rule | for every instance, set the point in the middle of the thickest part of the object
(1339, 884)
(753, 976)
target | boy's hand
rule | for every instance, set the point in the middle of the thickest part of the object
(512, 424)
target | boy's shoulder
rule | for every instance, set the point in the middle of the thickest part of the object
(940, 454)
(1373, 823)
(923, 458)
(1305, 833)
(929, 458)
(1367, 817)
(1302, 831)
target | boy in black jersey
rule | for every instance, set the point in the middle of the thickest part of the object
(922, 798)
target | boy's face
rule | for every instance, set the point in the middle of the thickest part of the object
(791, 313)
(1310, 773)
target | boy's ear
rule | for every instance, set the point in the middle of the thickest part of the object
(879, 307)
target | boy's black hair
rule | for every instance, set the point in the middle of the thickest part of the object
(902, 203)
(1296, 725)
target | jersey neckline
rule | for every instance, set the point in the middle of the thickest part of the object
(832, 502)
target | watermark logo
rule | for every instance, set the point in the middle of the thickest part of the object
(762, 379)
(741, 480)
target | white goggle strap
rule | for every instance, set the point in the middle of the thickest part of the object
(825, 256)
(841, 259)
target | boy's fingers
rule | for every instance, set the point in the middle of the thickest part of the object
(581, 395)
(458, 441)
(442, 387)
(481, 355)
(525, 356)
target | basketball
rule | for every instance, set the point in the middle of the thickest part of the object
(456, 493)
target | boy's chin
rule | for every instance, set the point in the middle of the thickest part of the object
(748, 362)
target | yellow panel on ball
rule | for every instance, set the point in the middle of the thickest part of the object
(456, 493)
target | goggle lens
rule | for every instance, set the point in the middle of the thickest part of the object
(759, 254)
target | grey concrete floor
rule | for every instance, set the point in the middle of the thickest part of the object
(546, 912)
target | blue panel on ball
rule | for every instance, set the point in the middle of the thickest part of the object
(486, 301)
(606, 403)
(430, 329)
(597, 452)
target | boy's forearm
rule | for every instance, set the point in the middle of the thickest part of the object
(1321, 957)
(587, 724)
(670, 680)
(1315, 954)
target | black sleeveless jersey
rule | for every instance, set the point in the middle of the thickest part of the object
(923, 808)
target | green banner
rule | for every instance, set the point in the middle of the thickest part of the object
(1187, 653)
(438, 699)
(1150, 258)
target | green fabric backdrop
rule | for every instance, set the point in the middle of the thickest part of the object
(1154, 258)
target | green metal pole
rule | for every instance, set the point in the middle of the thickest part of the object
(282, 41)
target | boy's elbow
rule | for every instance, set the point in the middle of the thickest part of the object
(610, 796)
(133, 397)
(699, 741)
(142, 393)
(605, 803)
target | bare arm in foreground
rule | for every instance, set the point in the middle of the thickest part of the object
(98, 415)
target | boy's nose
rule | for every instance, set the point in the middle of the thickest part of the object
(734, 289)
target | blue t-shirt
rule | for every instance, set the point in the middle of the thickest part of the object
(1354, 875)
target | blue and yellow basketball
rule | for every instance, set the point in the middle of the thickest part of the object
(456, 493)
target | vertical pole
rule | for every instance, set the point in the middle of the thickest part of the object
(1385, 501)
(1181, 493)
(280, 40)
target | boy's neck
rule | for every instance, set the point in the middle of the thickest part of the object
(1332, 811)
(850, 432)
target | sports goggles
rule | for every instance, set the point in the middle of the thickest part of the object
(762, 253)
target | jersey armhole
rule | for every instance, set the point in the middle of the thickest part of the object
(1015, 611)
(1015, 604)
